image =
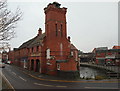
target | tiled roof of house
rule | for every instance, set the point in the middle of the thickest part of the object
(116, 47)
(38, 40)
(26, 44)
(33, 42)
(102, 48)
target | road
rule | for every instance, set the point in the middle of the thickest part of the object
(21, 80)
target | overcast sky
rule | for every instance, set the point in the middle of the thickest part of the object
(89, 24)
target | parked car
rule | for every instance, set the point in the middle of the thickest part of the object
(2, 65)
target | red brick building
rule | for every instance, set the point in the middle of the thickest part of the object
(105, 56)
(50, 52)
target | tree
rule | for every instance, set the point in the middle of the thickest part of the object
(8, 21)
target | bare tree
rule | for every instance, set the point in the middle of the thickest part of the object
(8, 21)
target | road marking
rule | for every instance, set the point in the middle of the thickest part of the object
(87, 87)
(14, 73)
(22, 78)
(38, 84)
(100, 88)
(48, 85)
(12, 88)
(62, 86)
(44, 85)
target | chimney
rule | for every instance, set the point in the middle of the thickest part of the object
(69, 38)
(39, 31)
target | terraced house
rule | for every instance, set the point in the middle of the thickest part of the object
(50, 52)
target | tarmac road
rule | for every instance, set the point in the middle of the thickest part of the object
(21, 79)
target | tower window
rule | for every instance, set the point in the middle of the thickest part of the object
(56, 29)
(61, 32)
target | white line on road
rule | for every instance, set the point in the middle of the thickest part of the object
(14, 73)
(11, 87)
(44, 85)
(38, 84)
(22, 78)
(48, 85)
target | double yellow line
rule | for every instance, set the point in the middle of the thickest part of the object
(71, 81)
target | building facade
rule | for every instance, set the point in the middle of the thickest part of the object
(50, 52)
(86, 57)
(105, 56)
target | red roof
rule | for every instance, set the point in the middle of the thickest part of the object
(116, 47)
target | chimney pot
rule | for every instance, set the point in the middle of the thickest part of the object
(39, 31)
(69, 38)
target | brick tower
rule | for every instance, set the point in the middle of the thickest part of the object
(56, 44)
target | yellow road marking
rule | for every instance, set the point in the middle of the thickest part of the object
(61, 86)
(38, 84)
(72, 81)
(49, 85)
(87, 87)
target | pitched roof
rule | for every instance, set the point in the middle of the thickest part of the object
(38, 40)
(116, 47)
(33, 42)
(73, 47)
(26, 44)
(102, 48)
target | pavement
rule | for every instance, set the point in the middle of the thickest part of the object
(45, 77)
(4, 83)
